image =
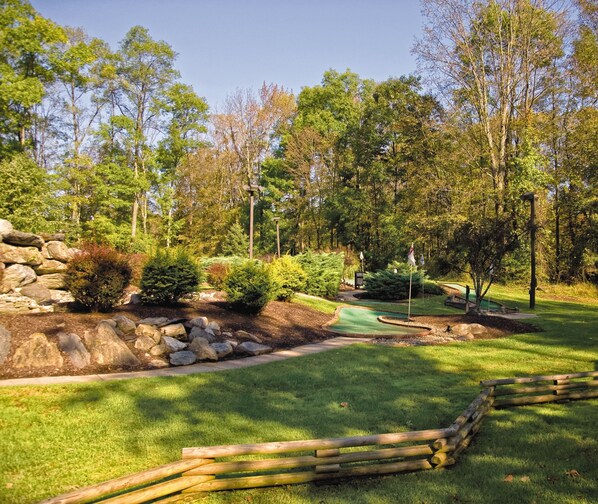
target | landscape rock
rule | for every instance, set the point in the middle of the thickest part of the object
(177, 331)
(71, 344)
(20, 255)
(107, 348)
(214, 326)
(5, 341)
(252, 348)
(158, 363)
(61, 296)
(59, 251)
(15, 304)
(16, 275)
(50, 266)
(5, 227)
(464, 329)
(149, 330)
(144, 343)
(201, 322)
(198, 332)
(52, 281)
(222, 349)
(244, 335)
(173, 345)
(201, 347)
(37, 352)
(22, 239)
(37, 292)
(155, 321)
(126, 325)
(183, 358)
(158, 350)
(47, 237)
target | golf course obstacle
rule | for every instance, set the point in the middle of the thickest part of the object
(331, 458)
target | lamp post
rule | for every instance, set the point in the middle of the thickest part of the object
(531, 197)
(253, 190)
(277, 220)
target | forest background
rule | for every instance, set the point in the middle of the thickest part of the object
(108, 145)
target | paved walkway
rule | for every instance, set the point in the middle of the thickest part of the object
(208, 367)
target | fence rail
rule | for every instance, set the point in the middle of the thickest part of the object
(331, 458)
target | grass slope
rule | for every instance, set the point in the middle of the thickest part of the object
(56, 438)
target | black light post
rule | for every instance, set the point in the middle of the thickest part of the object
(531, 197)
(253, 190)
(277, 220)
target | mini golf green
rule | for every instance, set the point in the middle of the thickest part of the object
(486, 303)
(364, 321)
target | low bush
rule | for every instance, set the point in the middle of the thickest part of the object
(216, 274)
(249, 287)
(324, 273)
(97, 277)
(289, 277)
(167, 276)
(386, 284)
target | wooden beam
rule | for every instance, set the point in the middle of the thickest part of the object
(531, 379)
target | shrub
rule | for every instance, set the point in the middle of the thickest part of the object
(217, 273)
(324, 273)
(387, 284)
(249, 287)
(97, 277)
(167, 276)
(289, 277)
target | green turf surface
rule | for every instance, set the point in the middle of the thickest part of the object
(365, 321)
(487, 304)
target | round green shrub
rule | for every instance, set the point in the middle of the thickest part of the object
(249, 287)
(288, 276)
(168, 276)
(97, 277)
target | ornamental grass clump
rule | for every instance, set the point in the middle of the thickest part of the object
(167, 276)
(97, 277)
(249, 287)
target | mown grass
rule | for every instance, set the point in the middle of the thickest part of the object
(56, 438)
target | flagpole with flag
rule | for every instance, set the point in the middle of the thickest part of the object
(411, 261)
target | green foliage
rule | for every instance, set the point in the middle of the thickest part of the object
(167, 276)
(97, 277)
(249, 287)
(324, 273)
(217, 273)
(236, 242)
(289, 277)
(386, 284)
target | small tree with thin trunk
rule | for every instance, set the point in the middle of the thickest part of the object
(478, 248)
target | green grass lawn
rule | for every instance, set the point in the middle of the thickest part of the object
(56, 438)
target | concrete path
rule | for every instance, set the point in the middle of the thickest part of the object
(208, 367)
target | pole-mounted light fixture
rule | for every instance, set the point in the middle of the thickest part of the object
(532, 198)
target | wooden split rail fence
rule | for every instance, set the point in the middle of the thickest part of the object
(327, 459)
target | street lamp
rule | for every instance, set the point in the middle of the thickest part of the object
(277, 220)
(253, 190)
(531, 197)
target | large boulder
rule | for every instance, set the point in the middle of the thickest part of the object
(198, 332)
(222, 349)
(177, 331)
(107, 348)
(173, 345)
(52, 281)
(245, 336)
(22, 239)
(20, 255)
(15, 303)
(158, 350)
(37, 292)
(16, 275)
(251, 348)
(50, 266)
(183, 358)
(144, 343)
(58, 250)
(5, 341)
(37, 352)
(149, 330)
(71, 344)
(156, 321)
(201, 322)
(5, 228)
(201, 347)
(126, 326)
(47, 237)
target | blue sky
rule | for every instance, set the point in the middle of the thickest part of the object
(223, 45)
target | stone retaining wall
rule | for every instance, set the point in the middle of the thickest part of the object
(32, 270)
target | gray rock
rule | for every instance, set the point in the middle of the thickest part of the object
(15, 303)
(150, 331)
(52, 281)
(173, 345)
(252, 348)
(214, 326)
(37, 352)
(111, 322)
(177, 331)
(201, 347)
(201, 322)
(155, 321)
(126, 325)
(244, 335)
(72, 345)
(20, 255)
(198, 332)
(222, 349)
(5, 339)
(59, 251)
(144, 343)
(158, 350)
(22, 239)
(16, 275)
(183, 358)
(61, 296)
(50, 266)
(158, 363)
(5, 227)
(107, 348)
(37, 292)
(47, 237)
